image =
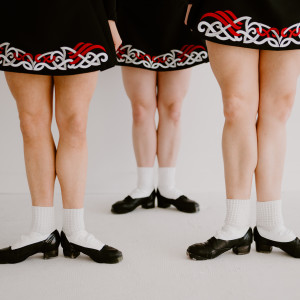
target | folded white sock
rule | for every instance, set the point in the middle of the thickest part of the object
(43, 224)
(269, 221)
(74, 228)
(145, 183)
(167, 183)
(237, 220)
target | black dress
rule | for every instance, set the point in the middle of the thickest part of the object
(57, 37)
(259, 24)
(155, 37)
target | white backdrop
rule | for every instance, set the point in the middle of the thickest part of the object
(112, 167)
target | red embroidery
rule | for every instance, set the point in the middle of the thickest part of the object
(38, 58)
(83, 55)
(150, 58)
(185, 51)
(81, 50)
(228, 18)
(224, 18)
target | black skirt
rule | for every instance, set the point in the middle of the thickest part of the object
(258, 24)
(155, 37)
(57, 37)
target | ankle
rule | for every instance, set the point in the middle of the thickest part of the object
(73, 221)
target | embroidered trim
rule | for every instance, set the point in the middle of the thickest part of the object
(188, 55)
(83, 56)
(229, 27)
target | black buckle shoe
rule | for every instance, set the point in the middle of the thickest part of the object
(49, 247)
(264, 245)
(107, 255)
(182, 203)
(215, 247)
(129, 204)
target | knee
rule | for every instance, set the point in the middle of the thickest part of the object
(72, 128)
(278, 108)
(142, 113)
(239, 109)
(34, 126)
(170, 111)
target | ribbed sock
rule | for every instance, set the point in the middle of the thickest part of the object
(237, 220)
(145, 183)
(270, 222)
(43, 224)
(74, 228)
(167, 183)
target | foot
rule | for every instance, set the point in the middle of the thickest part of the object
(48, 246)
(87, 244)
(129, 204)
(182, 203)
(265, 245)
(215, 247)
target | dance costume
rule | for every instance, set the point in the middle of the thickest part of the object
(58, 37)
(258, 24)
(155, 37)
(263, 25)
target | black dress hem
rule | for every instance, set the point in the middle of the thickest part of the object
(187, 57)
(247, 46)
(161, 70)
(83, 58)
(61, 73)
(247, 27)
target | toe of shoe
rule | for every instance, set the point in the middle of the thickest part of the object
(112, 252)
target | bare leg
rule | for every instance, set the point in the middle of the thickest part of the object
(140, 86)
(172, 88)
(73, 96)
(236, 70)
(279, 72)
(33, 94)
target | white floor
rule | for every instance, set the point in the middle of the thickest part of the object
(155, 266)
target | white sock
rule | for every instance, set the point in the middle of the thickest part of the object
(43, 224)
(166, 183)
(270, 222)
(145, 183)
(237, 220)
(74, 228)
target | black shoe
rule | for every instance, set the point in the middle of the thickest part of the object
(129, 204)
(49, 247)
(264, 245)
(215, 247)
(106, 255)
(182, 203)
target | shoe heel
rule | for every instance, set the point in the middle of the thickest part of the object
(51, 254)
(242, 250)
(263, 248)
(149, 204)
(71, 252)
(162, 203)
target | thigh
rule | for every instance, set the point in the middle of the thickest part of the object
(140, 85)
(279, 72)
(173, 86)
(33, 94)
(237, 72)
(73, 94)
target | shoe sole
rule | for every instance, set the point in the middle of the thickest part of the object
(197, 257)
